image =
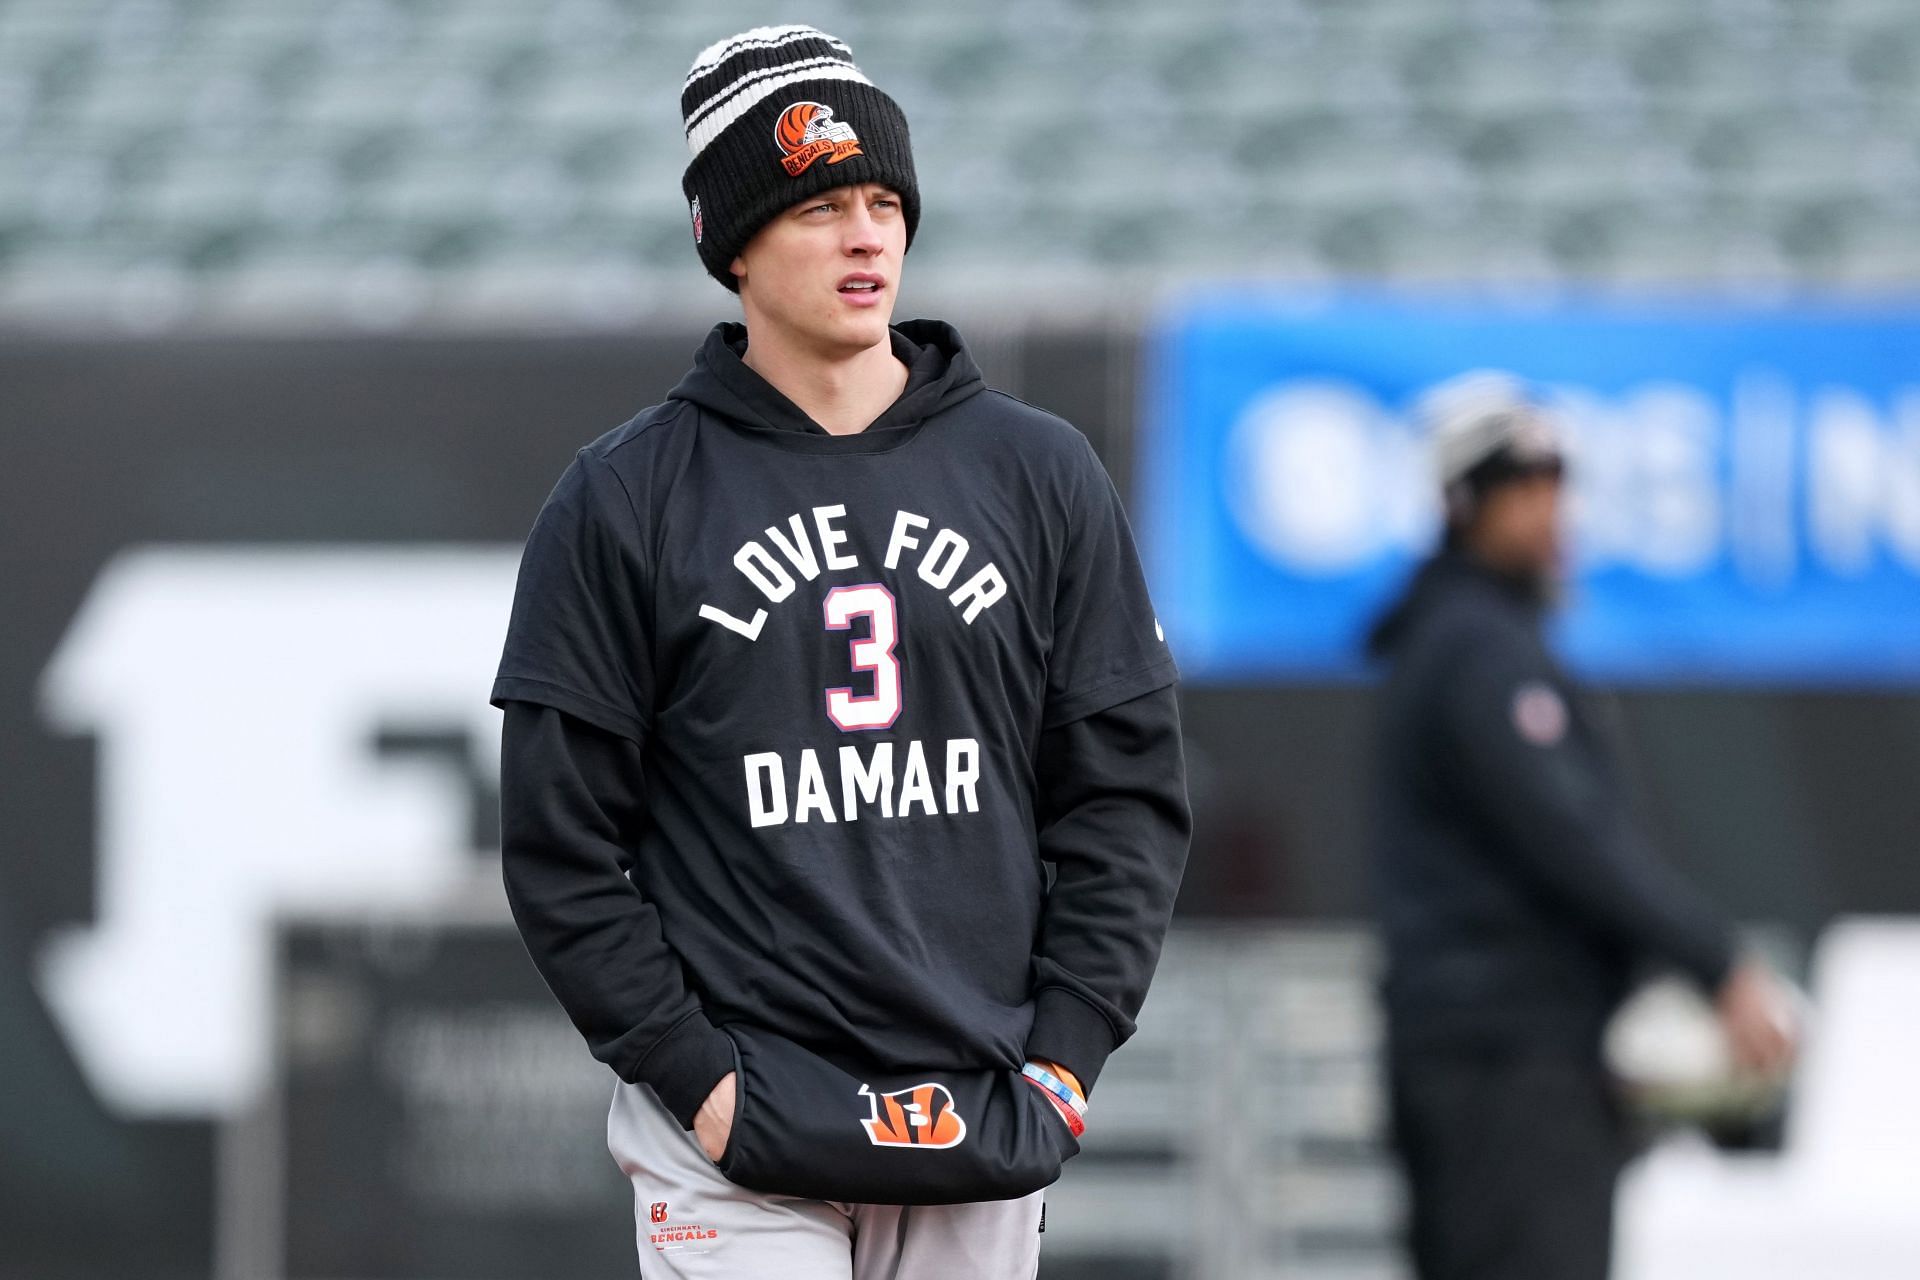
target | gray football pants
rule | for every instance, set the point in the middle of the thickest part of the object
(695, 1224)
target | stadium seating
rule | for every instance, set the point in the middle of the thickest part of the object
(166, 161)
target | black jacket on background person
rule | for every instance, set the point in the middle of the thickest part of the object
(1516, 894)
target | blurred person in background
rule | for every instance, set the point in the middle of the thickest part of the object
(811, 669)
(1517, 897)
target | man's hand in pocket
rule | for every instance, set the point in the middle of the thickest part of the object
(713, 1123)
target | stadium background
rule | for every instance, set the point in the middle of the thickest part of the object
(296, 296)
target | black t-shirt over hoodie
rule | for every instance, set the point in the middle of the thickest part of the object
(797, 723)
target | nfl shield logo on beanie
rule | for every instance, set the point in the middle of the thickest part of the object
(775, 115)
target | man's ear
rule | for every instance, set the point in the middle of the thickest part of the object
(739, 268)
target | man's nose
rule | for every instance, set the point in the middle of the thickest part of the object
(863, 232)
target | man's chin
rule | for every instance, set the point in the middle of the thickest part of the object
(852, 335)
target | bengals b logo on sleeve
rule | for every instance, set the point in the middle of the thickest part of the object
(922, 1116)
(806, 131)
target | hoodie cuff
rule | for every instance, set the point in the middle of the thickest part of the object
(685, 1064)
(1071, 1032)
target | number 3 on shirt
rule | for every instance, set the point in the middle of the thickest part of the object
(872, 652)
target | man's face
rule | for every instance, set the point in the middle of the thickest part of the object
(825, 271)
(1518, 527)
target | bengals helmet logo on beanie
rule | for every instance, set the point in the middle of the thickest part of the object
(806, 131)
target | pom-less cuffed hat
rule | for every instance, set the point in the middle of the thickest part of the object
(1488, 428)
(777, 114)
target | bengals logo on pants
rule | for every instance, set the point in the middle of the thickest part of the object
(922, 1116)
(806, 131)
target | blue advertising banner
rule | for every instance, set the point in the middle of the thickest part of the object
(1745, 487)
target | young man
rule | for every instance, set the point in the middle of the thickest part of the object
(1516, 895)
(814, 669)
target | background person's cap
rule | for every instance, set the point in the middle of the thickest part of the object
(1487, 428)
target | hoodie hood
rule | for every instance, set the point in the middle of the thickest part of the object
(1443, 576)
(940, 374)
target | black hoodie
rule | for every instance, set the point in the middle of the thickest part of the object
(795, 720)
(1515, 892)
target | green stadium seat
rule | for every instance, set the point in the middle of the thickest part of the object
(1612, 141)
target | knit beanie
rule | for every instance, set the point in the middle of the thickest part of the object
(777, 114)
(1488, 428)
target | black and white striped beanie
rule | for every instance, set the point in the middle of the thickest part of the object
(777, 114)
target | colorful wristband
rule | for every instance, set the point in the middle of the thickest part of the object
(1071, 1107)
(1054, 1085)
(1075, 1125)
